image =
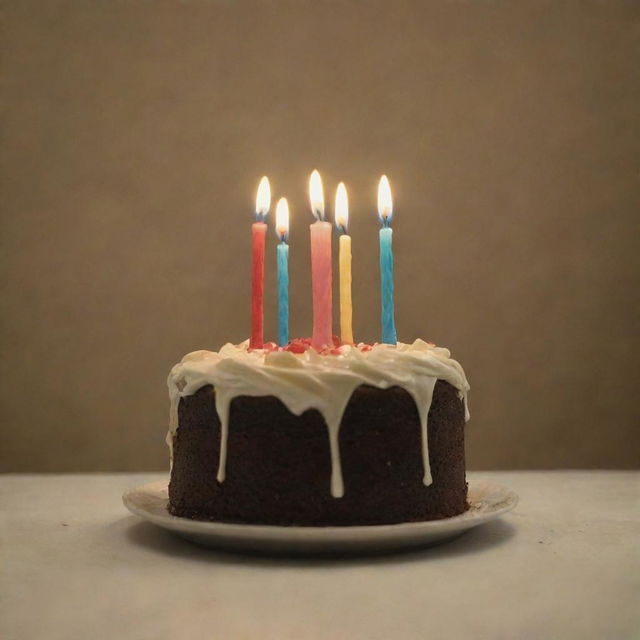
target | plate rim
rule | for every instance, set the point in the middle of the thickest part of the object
(470, 518)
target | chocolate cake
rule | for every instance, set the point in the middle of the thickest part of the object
(355, 436)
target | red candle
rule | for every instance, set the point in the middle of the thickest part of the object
(320, 267)
(258, 235)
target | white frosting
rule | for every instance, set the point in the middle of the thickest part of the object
(313, 381)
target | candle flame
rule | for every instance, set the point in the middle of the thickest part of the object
(342, 208)
(316, 195)
(263, 198)
(385, 203)
(282, 219)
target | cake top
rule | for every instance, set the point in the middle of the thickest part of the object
(306, 379)
(265, 371)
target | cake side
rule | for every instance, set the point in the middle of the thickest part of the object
(278, 465)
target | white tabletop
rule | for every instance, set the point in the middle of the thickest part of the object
(565, 564)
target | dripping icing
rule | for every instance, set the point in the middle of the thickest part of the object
(313, 381)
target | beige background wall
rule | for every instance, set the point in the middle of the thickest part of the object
(134, 137)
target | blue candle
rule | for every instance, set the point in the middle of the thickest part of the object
(282, 230)
(385, 211)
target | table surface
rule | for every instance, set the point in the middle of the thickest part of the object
(564, 564)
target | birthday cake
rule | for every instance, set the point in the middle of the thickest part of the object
(321, 431)
(351, 435)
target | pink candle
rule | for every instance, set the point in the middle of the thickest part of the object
(321, 284)
(258, 234)
(320, 267)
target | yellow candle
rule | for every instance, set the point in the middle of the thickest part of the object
(346, 310)
(342, 220)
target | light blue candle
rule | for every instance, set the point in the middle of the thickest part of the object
(283, 294)
(385, 211)
(386, 289)
(282, 231)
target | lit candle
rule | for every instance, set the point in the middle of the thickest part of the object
(320, 267)
(258, 233)
(282, 231)
(385, 213)
(342, 222)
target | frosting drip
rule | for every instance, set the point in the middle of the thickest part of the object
(309, 380)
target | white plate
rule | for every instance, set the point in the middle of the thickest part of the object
(488, 501)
